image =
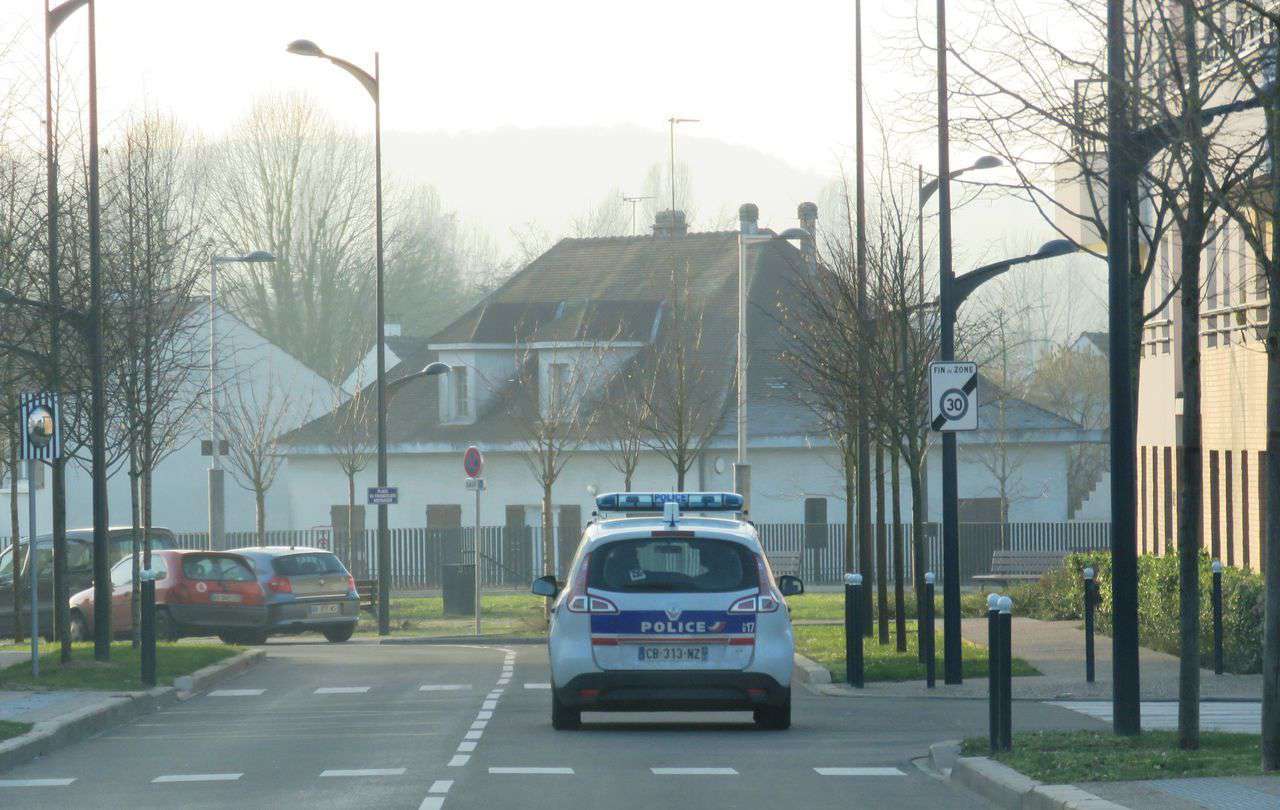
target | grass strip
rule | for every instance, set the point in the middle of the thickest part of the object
(121, 673)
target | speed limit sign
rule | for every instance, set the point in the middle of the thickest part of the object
(953, 396)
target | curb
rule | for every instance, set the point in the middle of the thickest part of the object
(943, 756)
(807, 671)
(50, 735)
(472, 640)
(1005, 787)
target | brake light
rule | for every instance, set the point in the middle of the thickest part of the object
(280, 585)
(767, 601)
(579, 601)
(351, 584)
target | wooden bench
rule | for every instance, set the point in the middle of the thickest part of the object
(784, 562)
(1021, 566)
(368, 590)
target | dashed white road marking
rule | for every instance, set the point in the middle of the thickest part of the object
(363, 772)
(440, 786)
(473, 734)
(432, 803)
(537, 686)
(503, 681)
(489, 705)
(236, 692)
(466, 746)
(534, 771)
(196, 777)
(444, 687)
(694, 771)
(342, 690)
(479, 724)
(859, 772)
(459, 760)
(484, 715)
(20, 783)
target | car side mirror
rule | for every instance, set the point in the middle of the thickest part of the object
(790, 586)
(545, 586)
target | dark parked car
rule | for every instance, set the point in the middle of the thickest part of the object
(197, 593)
(307, 589)
(79, 568)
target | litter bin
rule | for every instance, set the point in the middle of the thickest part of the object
(459, 585)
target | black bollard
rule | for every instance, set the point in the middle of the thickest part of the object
(1006, 673)
(1217, 618)
(148, 651)
(853, 630)
(1090, 600)
(930, 664)
(993, 669)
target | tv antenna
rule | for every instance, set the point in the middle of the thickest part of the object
(633, 201)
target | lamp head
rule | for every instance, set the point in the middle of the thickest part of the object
(304, 47)
(436, 368)
(988, 162)
(1056, 247)
(258, 256)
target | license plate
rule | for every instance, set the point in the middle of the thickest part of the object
(226, 597)
(326, 610)
(671, 653)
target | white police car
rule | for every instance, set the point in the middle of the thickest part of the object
(670, 611)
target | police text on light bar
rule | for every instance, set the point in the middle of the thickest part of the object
(653, 501)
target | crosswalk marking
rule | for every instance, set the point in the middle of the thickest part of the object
(236, 692)
(18, 783)
(440, 786)
(444, 687)
(342, 690)
(363, 772)
(534, 771)
(432, 803)
(859, 772)
(196, 777)
(537, 686)
(694, 771)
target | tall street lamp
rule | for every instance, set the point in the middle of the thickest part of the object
(217, 482)
(372, 84)
(741, 469)
(672, 121)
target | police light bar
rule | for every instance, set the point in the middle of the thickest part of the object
(655, 501)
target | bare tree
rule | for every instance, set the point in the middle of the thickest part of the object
(1073, 383)
(624, 415)
(609, 217)
(351, 444)
(254, 421)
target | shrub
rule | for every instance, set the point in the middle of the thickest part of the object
(1060, 595)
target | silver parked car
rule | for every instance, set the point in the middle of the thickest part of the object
(307, 589)
(670, 612)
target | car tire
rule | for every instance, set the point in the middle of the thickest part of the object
(76, 627)
(166, 628)
(562, 717)
(775, 718)
(340, 633)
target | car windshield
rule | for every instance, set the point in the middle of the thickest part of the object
(216, 567)
(301, 565)
(690, 565)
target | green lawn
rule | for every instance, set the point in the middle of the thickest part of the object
(1062, 757)
(518, 614)
(830, 606)
(825, 645)
(9, 728)
(121, 673)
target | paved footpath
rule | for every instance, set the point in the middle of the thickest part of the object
(423, 726)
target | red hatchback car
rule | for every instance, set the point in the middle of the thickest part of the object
(197, 593)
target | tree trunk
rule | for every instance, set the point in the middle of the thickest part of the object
(61, 619)
(550, 548)
(351, 520)
(16, 533)
(918, 544)
(899, 603)
(882, 556)
(135, 545)
(260, 496)
(850, 490)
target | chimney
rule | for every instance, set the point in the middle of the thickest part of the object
(808, 213)
(669, 225)
(748, 216)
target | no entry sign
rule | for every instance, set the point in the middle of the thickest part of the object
(473, 462)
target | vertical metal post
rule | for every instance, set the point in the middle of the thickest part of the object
(930, 654)
(854, 664)
(1006, 673)
(479, 483)
(33, 602)
(994, 702)
(1090, 603)
(217, 492)
(741, 472)
(1217, 617)
(384, 538)
(863, 439)
(148, 651)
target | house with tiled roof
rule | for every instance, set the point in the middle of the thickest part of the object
(610, 302)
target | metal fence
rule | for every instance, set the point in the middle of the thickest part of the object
(511, 556)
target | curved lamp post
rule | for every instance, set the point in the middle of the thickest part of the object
(372, 84)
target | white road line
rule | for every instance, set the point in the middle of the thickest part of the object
(473, 734)
(432, 803)
(459, 760)
(537, 686)
(440, 786)
(484, 715)
(17, 783)
(489, 705)
(196, 777)
(503, 681)
(363, 772)
(534, 771)
(859, 772)
(444, 687)
(342, 690)
(694, 771)
(466, 747)
(236, 692)
(479, 724)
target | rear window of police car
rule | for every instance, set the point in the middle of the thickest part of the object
(691, 565)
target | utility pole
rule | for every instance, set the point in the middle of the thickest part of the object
(863, 445)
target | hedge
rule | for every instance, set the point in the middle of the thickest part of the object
(1060, 595)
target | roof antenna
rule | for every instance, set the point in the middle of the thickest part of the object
(671, 512)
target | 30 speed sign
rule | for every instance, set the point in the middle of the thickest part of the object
(953, 396)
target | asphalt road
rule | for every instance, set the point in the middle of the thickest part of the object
(320, 725)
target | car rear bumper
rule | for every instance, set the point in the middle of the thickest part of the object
(203, 616)
(298, 616)
(679, 690)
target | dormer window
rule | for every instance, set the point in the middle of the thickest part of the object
(461, 393)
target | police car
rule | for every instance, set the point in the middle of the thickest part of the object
(665, 609)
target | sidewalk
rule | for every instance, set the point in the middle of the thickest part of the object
(1056, 649)
(1207, 793)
